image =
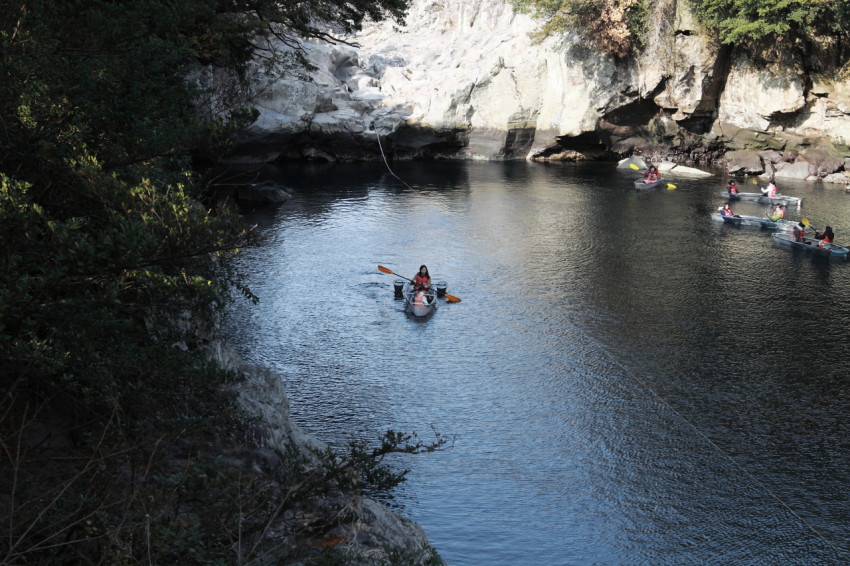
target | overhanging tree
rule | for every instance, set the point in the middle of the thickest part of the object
(107, 261)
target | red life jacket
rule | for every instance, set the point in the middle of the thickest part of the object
(420, 282)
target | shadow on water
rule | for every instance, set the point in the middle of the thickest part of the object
(628, 381)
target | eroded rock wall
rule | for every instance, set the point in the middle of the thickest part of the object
(464, 79)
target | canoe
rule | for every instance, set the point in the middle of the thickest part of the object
(642, 184)
(758, 197)
(419, 306)
(780, 225)
(831, 250)
(760, 221)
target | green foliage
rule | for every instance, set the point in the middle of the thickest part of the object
(618, 26)
(613, 26)
(746, 21)
(112, 265)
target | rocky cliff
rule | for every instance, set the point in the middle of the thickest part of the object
(463, 79)
(355, 529)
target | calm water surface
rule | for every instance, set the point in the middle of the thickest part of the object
(627, 381)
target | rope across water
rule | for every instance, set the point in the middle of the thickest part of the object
(378, 136)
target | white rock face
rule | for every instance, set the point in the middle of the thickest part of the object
(755, 95)
(472, 66)
(466, 75)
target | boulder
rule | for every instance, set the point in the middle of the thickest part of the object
(264, 192)
(633, 160)
(745, 161)
(770, 156)
(689, 171)
(823, 161)
(838, 179)
(798, 170)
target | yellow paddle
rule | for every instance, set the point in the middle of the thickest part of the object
(670, 186)
(382, 269)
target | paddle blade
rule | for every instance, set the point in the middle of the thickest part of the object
(754, 181)
(670, 186)
(633, 166)
(452, 298)
(383, 269)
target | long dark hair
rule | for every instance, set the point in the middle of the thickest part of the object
(427, 273)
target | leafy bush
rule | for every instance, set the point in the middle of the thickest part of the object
(613, 26)
(112, 421)
(785, 21)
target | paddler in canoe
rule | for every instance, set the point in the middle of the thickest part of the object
(421, 283)
(825, 237)
(777, 214)
(726, 211)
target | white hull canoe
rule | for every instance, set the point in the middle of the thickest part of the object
(758, 197)
(831, 250)
(760, 221)
(642, 184)
(419, 306)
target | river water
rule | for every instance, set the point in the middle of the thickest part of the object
(626, 381)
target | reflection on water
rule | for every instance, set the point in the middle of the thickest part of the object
(628, 382)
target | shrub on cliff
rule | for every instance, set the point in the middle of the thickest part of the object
(613, 26)
(743, 22)
(619, 27)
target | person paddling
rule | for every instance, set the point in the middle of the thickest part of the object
(422, 280)
(421, 283)
(770, 190)
(732, 188)
(777, 214)
(652, 174)
(726, 211)
(825, 237)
